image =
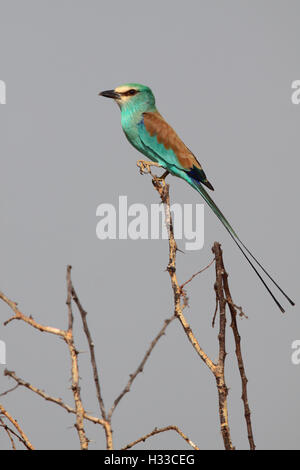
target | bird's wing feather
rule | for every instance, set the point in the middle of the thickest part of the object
(161, 138)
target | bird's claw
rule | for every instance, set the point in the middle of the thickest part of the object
(145, 166)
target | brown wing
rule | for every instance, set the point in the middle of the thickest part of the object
(165, 134)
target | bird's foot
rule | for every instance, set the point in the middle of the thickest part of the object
(145, 166)
(163, 177)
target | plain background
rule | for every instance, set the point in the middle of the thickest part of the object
(221, 73)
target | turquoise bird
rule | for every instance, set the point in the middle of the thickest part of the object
(150, 134)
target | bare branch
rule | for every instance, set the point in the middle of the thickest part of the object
(196, 274)
(29, 320)
(178, 292)
(74, 370)
(83, 314)
(163, 190)
(9, 432)
(158, 431)
(69, 297)
(57, 401)
(68, 338)
(238, 352)
(220, 371)
(8, 391)
(15, 423)
(223, 298)
(141, 366)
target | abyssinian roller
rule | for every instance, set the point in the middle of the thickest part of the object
(150, 134)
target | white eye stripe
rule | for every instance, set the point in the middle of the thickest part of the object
(122, 89)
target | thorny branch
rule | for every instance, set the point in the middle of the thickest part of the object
(158, 431)
(9, 432)
(238, 352)
(220, 368)
(223, 298)
(67, 336)
(83, 314)
(84, 443)
(57, 401)
(140, 368)
(80, 413)
(15, 423)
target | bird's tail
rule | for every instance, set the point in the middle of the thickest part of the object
(241, 245)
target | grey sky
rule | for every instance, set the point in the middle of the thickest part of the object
(221, 73)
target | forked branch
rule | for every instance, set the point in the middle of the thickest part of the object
(217, 368)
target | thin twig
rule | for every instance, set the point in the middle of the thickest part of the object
(83, 314)
(140, 368)
(15, 423)
(196, 274)
(69, 298)
(9, 432)
(29, 320)
(9, 390)
(158, 431)
(215, 312)
(57, 401)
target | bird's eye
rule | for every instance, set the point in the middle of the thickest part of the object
(132, 92)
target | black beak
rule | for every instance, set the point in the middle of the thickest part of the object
(110, 94)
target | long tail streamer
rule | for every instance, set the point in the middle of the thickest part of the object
(241, 245)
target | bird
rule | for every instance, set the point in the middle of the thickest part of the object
(147, 130)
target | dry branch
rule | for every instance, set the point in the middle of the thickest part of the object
(140, 368)
(223, 298)
(10, 432)
(106, 422)
(238, 352)
(220, 370)
(57, 401)
(67, 336)
(84, 443)
(216, 369)
(158, 431)
(15, 423)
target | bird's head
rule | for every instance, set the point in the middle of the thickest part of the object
(132, 96)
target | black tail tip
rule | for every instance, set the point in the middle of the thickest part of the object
(209, 185)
